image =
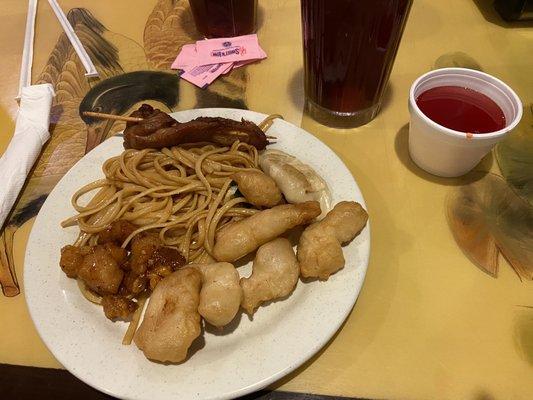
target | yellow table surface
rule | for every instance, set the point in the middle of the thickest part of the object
(427, 324)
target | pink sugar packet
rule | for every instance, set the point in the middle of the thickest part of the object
(186, 58)
(227, 68)
(224, 50)
(191, 68)
(203, 75)
(238, 64)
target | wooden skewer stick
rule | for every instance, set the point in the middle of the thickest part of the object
(268, 121)
(242, 134)
(238, 134)
(111, 116)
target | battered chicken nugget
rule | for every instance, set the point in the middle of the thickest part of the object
(319, 251)
(258, 188)
(171, 321)
(242, 237)
(274, 275)
(221, 294)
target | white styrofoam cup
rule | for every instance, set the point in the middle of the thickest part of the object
(445, 152)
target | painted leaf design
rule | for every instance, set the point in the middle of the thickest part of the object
(515, 156)
(131, 54)
(466, 210)
(486, 216)
(169, 26)
(68, 132)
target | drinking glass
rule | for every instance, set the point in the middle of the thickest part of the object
(224, 18)
(349, 50)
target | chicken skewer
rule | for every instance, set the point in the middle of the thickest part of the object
(115, 117)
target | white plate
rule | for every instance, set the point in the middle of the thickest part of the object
(281, 337)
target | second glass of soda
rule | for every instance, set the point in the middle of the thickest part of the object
(224, 18)
(349, 50)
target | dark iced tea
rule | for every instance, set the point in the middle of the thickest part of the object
(349, 49)
(224, 18)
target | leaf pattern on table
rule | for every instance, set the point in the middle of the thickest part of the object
(69, 134)
(121, 94)
(515, 156)
(168, 28)
(129, 73)
(487, 216)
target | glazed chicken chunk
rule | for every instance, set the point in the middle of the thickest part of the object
(100, 269)
(143, 247)
(118, 307)
(71, 259)
(117, 232)
(150, 262)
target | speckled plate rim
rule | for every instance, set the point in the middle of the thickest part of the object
(37, 280)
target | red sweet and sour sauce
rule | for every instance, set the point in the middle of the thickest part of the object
(461, 109)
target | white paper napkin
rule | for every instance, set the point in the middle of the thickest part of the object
(31, 133)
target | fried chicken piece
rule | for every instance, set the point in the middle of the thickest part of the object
(116, 232)
(258, 188)
(118, 307)
(70, 261)
(143, 247)
(221, 293)
(275, 273)
(100, 269)
(319, 251)
(171, 321)
(242, 237)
